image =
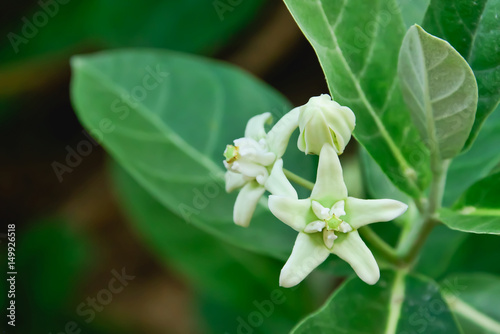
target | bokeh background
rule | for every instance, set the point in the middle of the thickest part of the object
(73, 237)
(84, 264)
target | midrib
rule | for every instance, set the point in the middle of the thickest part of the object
(383, 131)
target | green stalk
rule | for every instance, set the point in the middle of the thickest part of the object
(411, 245)
(298, 179)
(378, 243)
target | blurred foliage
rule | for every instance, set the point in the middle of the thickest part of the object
(52, 261)
(170, 139)
(227, 277)
(35, 50)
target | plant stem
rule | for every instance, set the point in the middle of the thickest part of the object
(378, 243)
(298, 179)
(411, 246)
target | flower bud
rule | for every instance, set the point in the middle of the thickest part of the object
(324, 121)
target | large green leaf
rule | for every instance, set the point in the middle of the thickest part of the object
(478, 211)
(476, 254)
(413, 11)
(427, 264)
(473, 298)
(225, 274)
(189, 25)
(398, 303)
(30, 49)
(171, 138)
(376, 182)
(473, 28)
(357, 44)
(477, 162)
(440, 90)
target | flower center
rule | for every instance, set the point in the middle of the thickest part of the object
(231, 153)
(328, 222)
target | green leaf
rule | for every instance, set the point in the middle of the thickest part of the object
(413, 11)
(30, 49)
(427, 264)
(171, 136)
(226, 275)
(440, 89)
(357, 43)
(472, 27)
(478, 211)
(473, 298)
(189, 26)
(376, 182)
(398, 303)
(476, 254)
(476, 163)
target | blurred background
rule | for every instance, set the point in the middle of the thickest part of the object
(88, 260)
(82, 265)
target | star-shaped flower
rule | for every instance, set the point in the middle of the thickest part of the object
(254, 163)
(328, 221)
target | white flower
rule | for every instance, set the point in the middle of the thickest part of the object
(327, 222)
(254, 163)
(323, 121)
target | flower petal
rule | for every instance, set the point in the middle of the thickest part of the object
(362, 212)
(246, 202)
(308, 252)
(315, 226)
(279, 135)
(330, 187)
(350, 248)
(338, 209)
(329, 238)
(250, 169)
(255, 126)
(234, 181)
(293, 212)
(320, 211)
(278, 184)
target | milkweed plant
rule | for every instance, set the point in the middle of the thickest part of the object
(417, 93)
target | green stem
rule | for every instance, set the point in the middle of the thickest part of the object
(410, 247)
(378, 243)
(298, 179)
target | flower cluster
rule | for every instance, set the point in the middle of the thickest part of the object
(327, 221)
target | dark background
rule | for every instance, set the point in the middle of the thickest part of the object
(38, 124)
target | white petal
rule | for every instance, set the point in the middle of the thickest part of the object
(362, 212)
(338, 209)
(234, 181)
(246, 202)
(344, 227)
(329, 238)
(296, 213)
(278, 184)
(350, 248)
(320, 211)
(255, 126)
(251, 150)
(315, 226)
(314, 132)
(330, 187)
(308, 253)
(279, 135)
(250, 169)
